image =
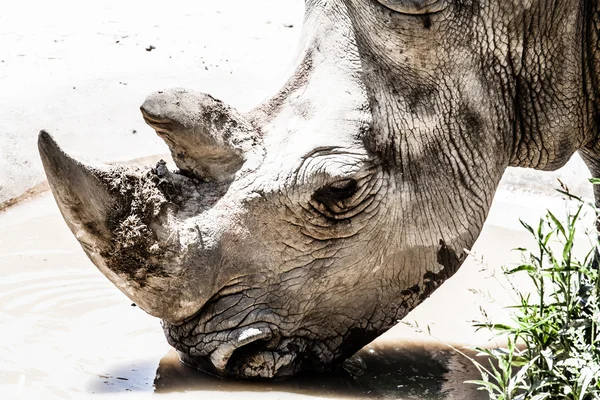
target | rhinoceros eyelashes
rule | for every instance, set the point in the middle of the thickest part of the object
(415, 7)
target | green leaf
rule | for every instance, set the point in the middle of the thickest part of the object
(527, 226)
(541, 396)
(557, 223)
(485, 385)
(569, 195)
(585, 379)
(523, 267)
(548, 357)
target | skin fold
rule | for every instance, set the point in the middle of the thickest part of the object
(292, 235)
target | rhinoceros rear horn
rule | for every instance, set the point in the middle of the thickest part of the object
(208, 139)
(83, 197)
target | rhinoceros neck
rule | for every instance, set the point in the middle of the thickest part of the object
(547, 88)
(591, 70)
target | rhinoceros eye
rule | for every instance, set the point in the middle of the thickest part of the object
(415, 7)
(337, 191)
(336, 199)
(346, 198)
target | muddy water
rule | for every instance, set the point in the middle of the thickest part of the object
(382, 370)
(66, 332)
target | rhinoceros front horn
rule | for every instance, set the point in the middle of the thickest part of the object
(126, 226)
(81, 195)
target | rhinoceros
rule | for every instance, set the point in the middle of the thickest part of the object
(292, 235)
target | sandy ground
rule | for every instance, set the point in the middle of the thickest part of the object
(81, 70)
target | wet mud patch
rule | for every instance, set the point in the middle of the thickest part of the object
(134, 377)
(394, 370)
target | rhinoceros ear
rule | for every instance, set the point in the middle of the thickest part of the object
(415, 7)
(83, 197)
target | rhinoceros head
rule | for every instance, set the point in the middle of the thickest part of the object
(292, 235)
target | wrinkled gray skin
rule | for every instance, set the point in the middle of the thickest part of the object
(294, 234)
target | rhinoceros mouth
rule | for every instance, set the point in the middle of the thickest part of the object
(253, 352)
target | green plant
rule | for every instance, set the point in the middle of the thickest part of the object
(553, 339)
